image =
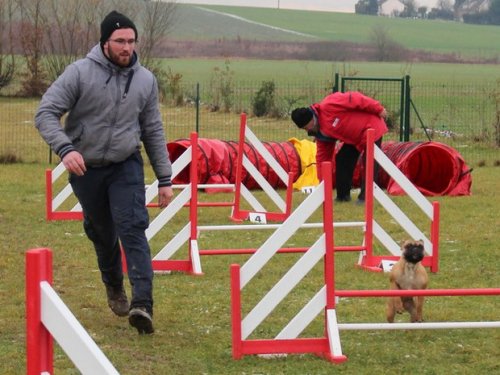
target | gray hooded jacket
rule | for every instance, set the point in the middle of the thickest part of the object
(110, 111)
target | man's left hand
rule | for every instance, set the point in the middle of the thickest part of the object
(165, 195)
(383, 114)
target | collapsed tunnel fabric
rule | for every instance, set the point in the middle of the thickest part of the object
(434, 168)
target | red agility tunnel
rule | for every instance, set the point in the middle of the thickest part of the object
(434, 168)
(217, 161)
(214, 161)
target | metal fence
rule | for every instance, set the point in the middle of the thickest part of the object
(466, 117)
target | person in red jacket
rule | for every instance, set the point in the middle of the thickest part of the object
(344, 117)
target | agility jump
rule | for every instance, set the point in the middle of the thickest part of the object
(188, 197)
(374, 229)
(48, 318)
(321, 250)
(370, 227)
(323, 302)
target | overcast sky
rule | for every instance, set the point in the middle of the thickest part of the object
(325, 5)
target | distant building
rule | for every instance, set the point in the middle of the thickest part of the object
(391, 7)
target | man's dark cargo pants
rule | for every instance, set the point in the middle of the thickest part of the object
(114, 210)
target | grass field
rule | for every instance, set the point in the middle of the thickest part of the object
(192, 314)
(200, 70)
(448, 97)
(454, 37)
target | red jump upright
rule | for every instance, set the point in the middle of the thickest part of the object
(39, 342)
(287, 341)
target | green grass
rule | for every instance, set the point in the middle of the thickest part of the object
(292, 71)
(465, 109)
(453, 37)
(192, 314)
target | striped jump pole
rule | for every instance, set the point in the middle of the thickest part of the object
(413, 293)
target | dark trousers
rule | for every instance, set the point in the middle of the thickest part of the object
(345, 163)
(113, 203)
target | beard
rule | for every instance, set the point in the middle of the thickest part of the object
(314, 131)
(122, 58)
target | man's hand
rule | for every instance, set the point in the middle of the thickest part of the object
(74, 163)
(165, 195)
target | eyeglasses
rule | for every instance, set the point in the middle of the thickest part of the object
(123, 42)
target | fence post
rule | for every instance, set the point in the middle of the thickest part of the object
(39, 341)
(335, 87)
(198, 108)
(407, 109)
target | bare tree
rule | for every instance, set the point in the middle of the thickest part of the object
(157, 21)
(445, 5)
(54, 33)
(32, 36)
(410, 9)
(495, 97)
(422, 11)
(68, 37)
(7, 60)
(386, 48)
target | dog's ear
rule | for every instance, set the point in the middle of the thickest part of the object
(420, 244)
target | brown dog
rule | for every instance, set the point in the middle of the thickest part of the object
(408, 273)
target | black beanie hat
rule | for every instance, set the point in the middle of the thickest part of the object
(302, 116)
(114, 21)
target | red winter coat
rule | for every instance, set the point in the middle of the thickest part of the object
(346, 117)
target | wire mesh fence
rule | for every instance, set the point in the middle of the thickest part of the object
(466, 117)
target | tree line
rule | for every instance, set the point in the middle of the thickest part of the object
(484, 12)
(50, 34)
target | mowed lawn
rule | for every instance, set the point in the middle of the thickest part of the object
(192, 314)
(199, 23)
(293, 71)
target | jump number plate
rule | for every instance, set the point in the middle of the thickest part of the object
(258, 218)
(308, 189)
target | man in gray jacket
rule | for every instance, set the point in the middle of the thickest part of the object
(112, 106)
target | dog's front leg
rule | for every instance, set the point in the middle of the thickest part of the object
(420, 308)
(409, 305)
(391, 311)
